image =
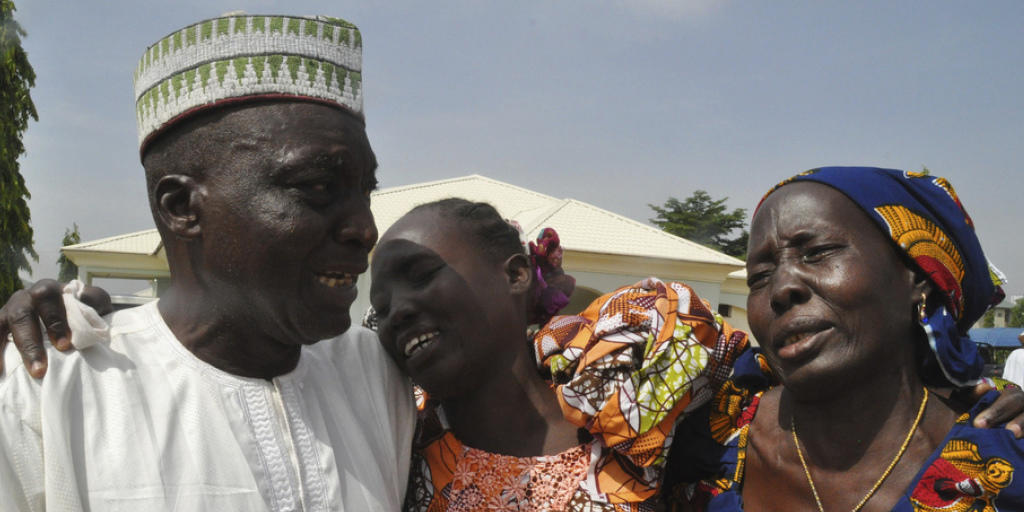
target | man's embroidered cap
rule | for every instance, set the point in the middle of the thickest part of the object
(240, 57)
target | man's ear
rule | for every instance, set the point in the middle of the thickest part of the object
(519, 273)
(179, 201)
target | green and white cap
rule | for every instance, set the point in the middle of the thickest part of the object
(240, 57)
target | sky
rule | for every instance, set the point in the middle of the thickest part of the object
(617, 103)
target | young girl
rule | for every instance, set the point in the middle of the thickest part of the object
(454, 292)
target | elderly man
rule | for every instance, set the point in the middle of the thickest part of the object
(221, 396)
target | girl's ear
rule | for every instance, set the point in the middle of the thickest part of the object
(519, 273)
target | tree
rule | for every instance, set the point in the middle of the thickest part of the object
(68, 270)
(1016, 318)
(988, 319)
(16, 107)
(704, 220)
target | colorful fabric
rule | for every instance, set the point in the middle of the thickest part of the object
(626, 371)
(233, 57)
(972, 470)
(926, 220)
(627, 368)
(471, 479)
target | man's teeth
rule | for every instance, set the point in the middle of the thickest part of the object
(796, 338)
(333, 279)
(418, 342)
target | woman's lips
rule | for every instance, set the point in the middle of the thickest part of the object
(800, 345)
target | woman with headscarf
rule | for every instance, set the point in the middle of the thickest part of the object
(863, 283)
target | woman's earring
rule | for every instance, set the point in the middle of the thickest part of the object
(922, 314)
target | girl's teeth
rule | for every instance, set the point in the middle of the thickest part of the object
(418, 342)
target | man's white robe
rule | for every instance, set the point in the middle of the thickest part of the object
(139, 423)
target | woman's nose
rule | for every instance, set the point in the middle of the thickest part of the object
(788, 288)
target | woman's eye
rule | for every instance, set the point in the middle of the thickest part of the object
(757, 279)
(816, 254)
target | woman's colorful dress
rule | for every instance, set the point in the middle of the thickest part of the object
(973, 470)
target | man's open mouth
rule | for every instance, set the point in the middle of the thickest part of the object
(336, 279)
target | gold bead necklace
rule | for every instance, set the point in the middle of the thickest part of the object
(878, 483)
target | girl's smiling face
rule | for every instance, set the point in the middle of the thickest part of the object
(445, 307)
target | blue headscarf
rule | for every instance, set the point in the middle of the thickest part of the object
(924, 217)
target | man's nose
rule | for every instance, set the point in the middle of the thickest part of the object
(355, 224)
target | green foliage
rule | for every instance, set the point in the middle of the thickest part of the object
(1016, 318)
(16, 108)
(704, 220)
(988, 319)
(68, 270)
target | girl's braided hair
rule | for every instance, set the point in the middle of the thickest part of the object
(498, 238)
(492, 234)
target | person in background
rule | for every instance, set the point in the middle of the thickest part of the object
(222, 395)
(1013, 370)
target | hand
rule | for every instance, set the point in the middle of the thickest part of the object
(1009, 408)
(21, 316)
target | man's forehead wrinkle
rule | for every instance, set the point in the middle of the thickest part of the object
(302, 153)
(247, 141)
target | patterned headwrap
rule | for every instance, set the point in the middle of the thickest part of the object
(240, 57)
(925, 219)
(628, 367)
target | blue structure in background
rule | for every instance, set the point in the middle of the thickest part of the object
(998, 337)
(995, 344)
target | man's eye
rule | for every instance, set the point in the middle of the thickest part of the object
(317, 193)
(315, 187)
